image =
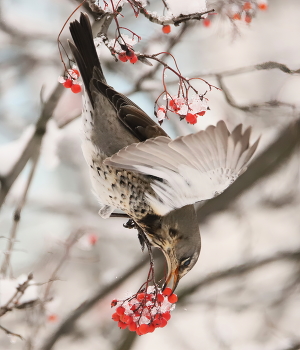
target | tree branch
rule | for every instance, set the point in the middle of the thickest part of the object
(237, 270)
(69, 322)
(17, 216)
(33, 144)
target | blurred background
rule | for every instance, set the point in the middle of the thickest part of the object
(244, 291)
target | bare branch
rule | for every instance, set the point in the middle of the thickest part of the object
(174, 20)
(69, 322)
(17, 215)
(237, 270)
(33, 144)
(249, 108)
(14, 300)
(11, 333)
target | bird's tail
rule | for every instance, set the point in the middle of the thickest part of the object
(84, 51)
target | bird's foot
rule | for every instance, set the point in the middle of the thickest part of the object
(130, 224)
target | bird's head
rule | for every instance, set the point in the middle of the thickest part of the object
(177, 235)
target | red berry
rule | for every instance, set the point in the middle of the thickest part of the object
(201, 113)
(160, 298)
(52, 318)
(247, 6)
(173, 298)
(144, 328)
(167, 315)
(76, 88)
(127, 319)
(166, 29)
(191, 118)
(236, 16)
(120, 310)
(174, 106)
(68, 83)
(149, 297)
(122, 325)
(156, 323)
(133, 59)
(206, 22)
(248, 19)
(114, 302)
(132, 327)
(115, 317)
(93, 239)
(134, 307)
(263, 6)
(140, 296)
(163, 322)
(138, 332)
(76, 72)
(167, 292)
(151, 328)
(122, 57)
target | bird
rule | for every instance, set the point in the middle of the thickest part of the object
(137, 168)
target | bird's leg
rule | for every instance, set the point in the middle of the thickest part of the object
(130, 224)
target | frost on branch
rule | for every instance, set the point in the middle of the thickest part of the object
(177, 8)
(145, 311)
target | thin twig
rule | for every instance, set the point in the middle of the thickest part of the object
(174, 20)
(17, 215)
(33, 144)
(69, 322)
(11, 333)
(237, 270)
(14, 300)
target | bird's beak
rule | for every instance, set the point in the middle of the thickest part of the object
(173, 274)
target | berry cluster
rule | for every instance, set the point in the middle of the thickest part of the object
(247, 10)
(128, 55)
(187, 108)
(145, 311)
(69, 81)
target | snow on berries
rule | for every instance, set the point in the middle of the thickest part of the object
(145, 311)
(70, 80)
(187, 108)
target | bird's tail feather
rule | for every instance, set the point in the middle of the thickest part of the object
(84, 51)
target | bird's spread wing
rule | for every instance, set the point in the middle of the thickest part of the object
(191, 168)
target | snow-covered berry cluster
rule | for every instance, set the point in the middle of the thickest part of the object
(70, 80)
(145, 311)
(187, 108)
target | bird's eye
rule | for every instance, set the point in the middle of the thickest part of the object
(173, 232)
(186, 262)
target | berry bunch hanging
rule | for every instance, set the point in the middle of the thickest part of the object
(146, 310)
(127, 55)
(70, 80)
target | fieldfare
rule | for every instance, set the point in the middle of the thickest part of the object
(136, 167)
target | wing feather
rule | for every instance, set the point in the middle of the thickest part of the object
(190, 168)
